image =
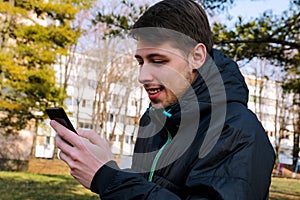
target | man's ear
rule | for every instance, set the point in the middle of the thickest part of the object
(199, 55)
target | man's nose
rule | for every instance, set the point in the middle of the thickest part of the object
(145, 75)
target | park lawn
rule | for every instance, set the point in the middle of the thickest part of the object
(29, 186)
(285, 189)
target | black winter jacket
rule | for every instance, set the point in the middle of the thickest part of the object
(208, 145)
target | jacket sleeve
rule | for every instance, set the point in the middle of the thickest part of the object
(110, 182)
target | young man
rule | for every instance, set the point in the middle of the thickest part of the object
(197, 139)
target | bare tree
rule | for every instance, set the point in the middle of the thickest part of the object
(111, 60)
(296, 125)
(270, 102)
(117, 83)
(282, 119)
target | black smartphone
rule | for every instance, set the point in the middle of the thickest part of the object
(59, 115)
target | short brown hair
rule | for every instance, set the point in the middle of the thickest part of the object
(184, 16)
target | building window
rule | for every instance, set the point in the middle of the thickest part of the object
(110, 117)
(133, 102)
(68, 101)
(81, 125)
(127, 139)
(131, 120)
(92, 84)
(89, 103)
(85, 125)
(115, 100)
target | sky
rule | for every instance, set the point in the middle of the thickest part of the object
(250, 9)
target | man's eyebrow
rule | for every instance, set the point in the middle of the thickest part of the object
(149, 56)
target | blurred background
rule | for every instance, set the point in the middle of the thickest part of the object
(76, 55)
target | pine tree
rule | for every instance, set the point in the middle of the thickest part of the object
(33, 33)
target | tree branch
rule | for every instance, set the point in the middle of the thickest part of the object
(258, 41)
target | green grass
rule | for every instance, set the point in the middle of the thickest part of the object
(285, 189)
(29, 186)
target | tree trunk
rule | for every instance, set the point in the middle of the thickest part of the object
(296, 139)
(277, 140)
(278, 147)
(32, 151)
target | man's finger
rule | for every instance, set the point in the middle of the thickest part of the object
(64, 133)
(62, 144)
(90, 135)
(64, 157)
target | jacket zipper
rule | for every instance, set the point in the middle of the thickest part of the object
(157, 156)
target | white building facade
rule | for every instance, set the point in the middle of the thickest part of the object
(112, 107)
(90, 93)
(274, 109)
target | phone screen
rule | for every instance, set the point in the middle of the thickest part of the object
(59, 115)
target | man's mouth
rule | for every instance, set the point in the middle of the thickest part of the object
(153, 93)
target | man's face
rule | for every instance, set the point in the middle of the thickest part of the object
(164, 71)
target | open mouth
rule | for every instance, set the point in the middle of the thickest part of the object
(153, 93)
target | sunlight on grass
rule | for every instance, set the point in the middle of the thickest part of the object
(285, 189)
(15, 185)
(29, 186)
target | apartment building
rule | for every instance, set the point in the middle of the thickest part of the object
(98, 100)
(274, 109)
(123, 106)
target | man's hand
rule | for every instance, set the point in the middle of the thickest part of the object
(88, 153)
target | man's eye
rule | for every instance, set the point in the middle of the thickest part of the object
(158, 61)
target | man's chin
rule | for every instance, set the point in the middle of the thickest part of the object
(157, 105)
